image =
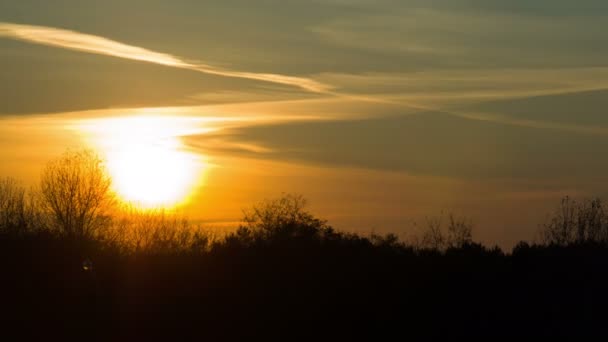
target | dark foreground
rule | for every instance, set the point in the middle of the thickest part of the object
(296, 285)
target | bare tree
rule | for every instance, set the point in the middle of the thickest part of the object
(591, 221)
(272, 214)
(460, 231)
(457, 234)
(560, 230)
(141, 230)
(13, 206)
(433, 237)
(76, 195)
(575, 222)
(279, 219)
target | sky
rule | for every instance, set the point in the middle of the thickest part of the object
(382, 113)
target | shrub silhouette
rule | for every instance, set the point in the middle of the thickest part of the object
(137, 230)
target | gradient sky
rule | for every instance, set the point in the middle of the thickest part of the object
(380, 112)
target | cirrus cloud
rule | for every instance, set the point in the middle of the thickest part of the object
(78, 41)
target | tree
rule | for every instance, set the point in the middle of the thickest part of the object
(560, 230)
(433, 237)
(281, 218)
(155, 230)
(591, 221)
(273, 214)
(458, 234)
(13, 206)
(460, 231)
(76, 194)
(575, 222)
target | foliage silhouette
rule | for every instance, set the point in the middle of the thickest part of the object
(286, 274)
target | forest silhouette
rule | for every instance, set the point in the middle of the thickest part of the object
(76, 263)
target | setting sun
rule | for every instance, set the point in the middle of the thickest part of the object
(148, 163)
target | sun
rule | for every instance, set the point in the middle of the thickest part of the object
(148, 163)
(152, 174)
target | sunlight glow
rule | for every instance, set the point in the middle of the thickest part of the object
(149, 165)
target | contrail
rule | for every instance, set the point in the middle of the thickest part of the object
(73, 40)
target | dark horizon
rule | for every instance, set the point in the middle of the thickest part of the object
(76, 271)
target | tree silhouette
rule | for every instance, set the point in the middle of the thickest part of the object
(460, 231)
(76, 195)
(282, 216)
(591, 221)
(14, 209)
(433, 237)
(285, 272)
(575, 222)
(457, 234)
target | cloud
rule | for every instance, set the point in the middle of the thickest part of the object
(428, 143)
(73, 40)
(438, 36)
(465, 85)
(565, 99)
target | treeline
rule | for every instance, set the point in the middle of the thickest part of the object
(74, 200)
(72, 265)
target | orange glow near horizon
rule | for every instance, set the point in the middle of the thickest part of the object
(149, 165)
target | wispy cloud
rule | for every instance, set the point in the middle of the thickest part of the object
(73, 40)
